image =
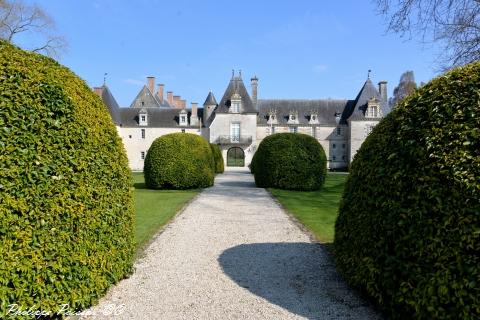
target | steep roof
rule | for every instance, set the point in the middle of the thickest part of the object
(147, 99)
(325, 109)
(110, 102)
(157, 117)
(357, 110)
(210, 100)
(236, 85)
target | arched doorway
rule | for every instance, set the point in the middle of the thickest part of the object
(235, 157)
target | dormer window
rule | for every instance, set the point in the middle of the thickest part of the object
(236, 103)
(142, 118)
(183, 120)
(272, 118)
(313, 118)
(373, 110)
(293, 117)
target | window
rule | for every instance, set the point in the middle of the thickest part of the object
(334, 146)
(273, 130)
(339, 131)
(372, 112)
(293, 129)
(235, 106)
(142, 155)
(130, 136)
(334, 158)
(183, 130)
(272, 117)
(292, 117)
(343, 146)
(143, 103)
(313, 132)
(143, 133)
(183, 119)
(314, 117)
(343, 157)
(234, 132)
(142, 117)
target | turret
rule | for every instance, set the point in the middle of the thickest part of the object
(209, 106)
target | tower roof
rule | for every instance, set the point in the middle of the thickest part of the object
(210, 100)
(236, 86)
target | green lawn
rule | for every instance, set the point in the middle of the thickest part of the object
(317, 210)
(154, 208)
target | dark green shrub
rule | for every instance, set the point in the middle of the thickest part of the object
(179, 161)
(66, 214)
(289, 161)
(408, 228)
(218, 158)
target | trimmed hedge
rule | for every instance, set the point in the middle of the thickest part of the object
(218, 158)
(289, 161)
(179, 161)
(408, 228)
(66, 207)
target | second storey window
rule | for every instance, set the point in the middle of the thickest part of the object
(235, 132)
(339, 131)
(143, 133)
(293, 129)
(142, 155)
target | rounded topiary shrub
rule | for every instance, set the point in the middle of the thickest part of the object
(289, 161)
(66, 214)
(179, 161)
(218, 158)
(408, 227)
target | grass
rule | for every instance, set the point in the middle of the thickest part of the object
(317, 210)
(155, 208)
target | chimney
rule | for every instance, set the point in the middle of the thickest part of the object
(382, 89)
(183, 103)
(160, 92)
(176, 101)
(151, 83)
(254, 83)
(194, 115)
(170, 98)
(98, 90)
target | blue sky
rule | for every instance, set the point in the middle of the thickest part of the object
(298, 49)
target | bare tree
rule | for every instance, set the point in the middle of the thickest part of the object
(406, 86)
(453, 23)
(18, 18)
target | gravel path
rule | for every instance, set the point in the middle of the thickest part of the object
(233, 254)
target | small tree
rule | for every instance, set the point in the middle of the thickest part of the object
(406, 86)
(17, 18)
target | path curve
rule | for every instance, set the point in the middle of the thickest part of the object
(233, 253)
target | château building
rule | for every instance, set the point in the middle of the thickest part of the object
(240, 120)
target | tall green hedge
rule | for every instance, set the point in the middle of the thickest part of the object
(408, 228)
(218, 158)
(289, 161)
(66, 214)
(179, 161)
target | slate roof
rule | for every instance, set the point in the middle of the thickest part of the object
(236, 85)
(325, 109)
(156, 117)
(111, 103)
(357, 110)
(210, 100)
(149, 99)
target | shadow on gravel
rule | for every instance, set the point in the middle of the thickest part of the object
(299, 277)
